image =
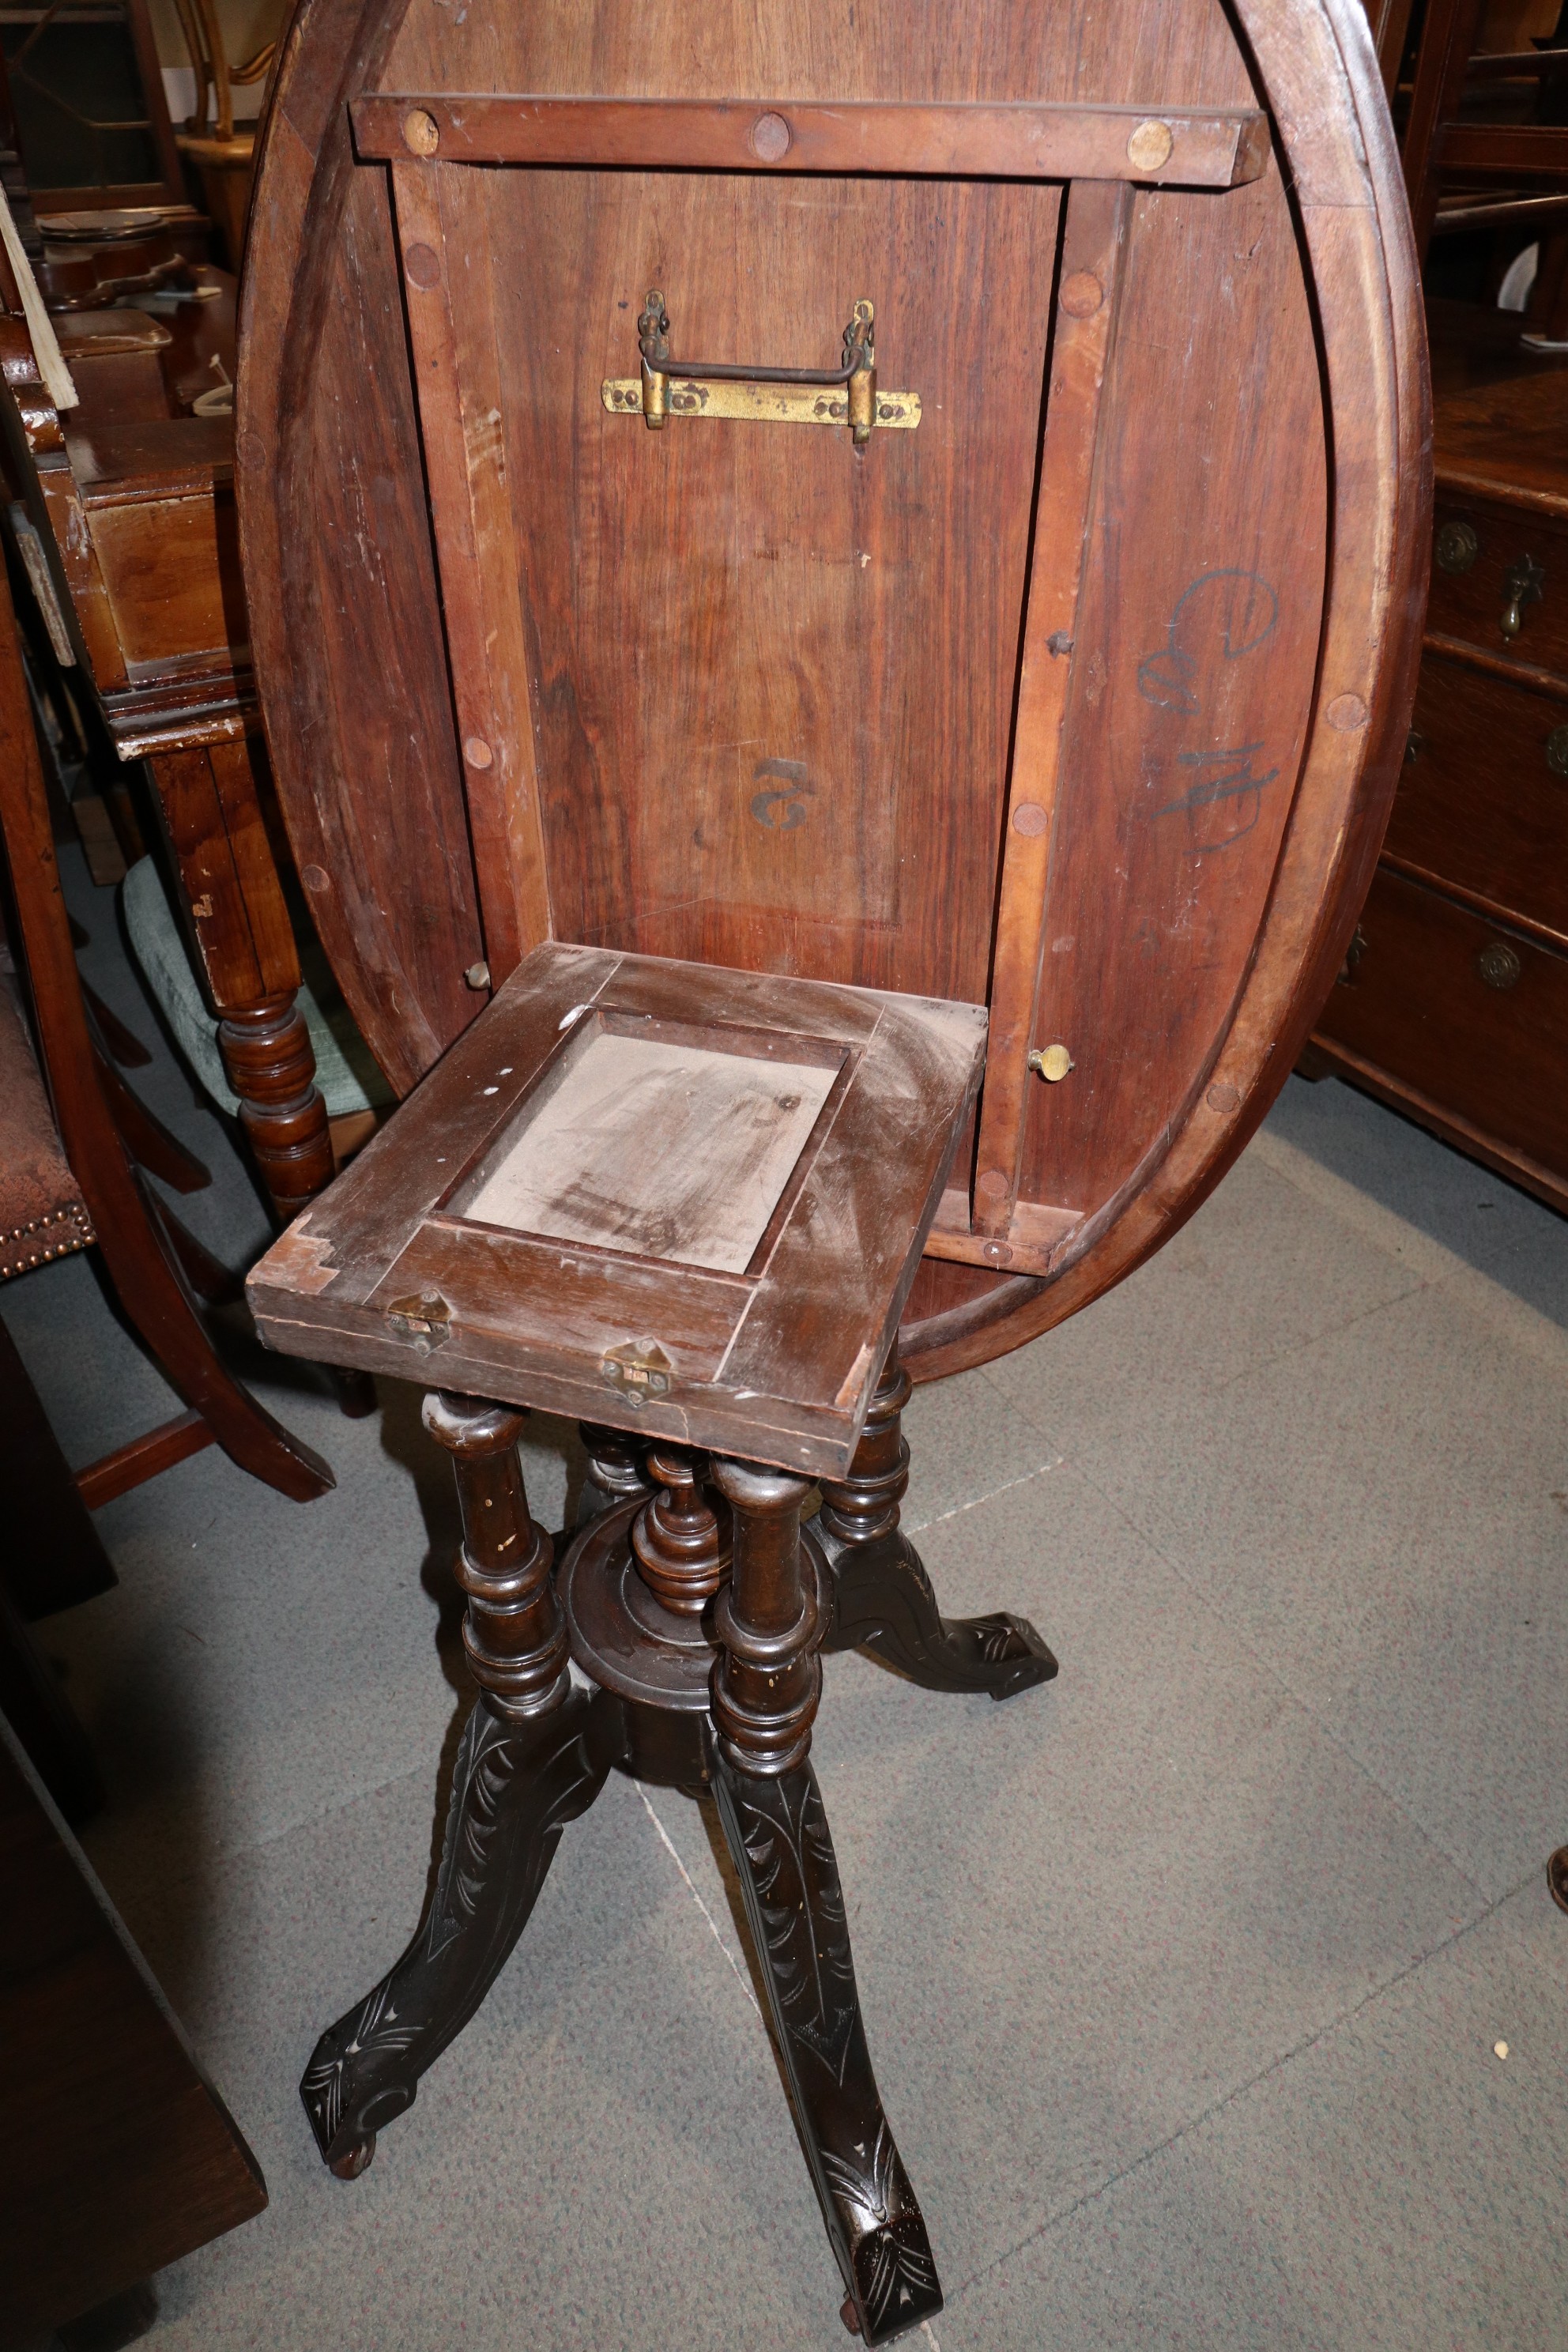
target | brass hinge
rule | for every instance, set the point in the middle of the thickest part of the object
(639, 1368)
(426, 1321)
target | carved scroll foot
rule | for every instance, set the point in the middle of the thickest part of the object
(883, 1602)
(517, 1783)
(777, 1833)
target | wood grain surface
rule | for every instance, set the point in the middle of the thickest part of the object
(765, 686)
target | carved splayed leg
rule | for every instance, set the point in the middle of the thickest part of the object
(883, 1600)
(766, 1686)
(534, 1755)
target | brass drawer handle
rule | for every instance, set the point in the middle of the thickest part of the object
(1499, 966)
(1522, 584)
(670, 387)
(1455, 547)
(1557, 751)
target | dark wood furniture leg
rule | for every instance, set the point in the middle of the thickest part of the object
(534, 1756)
(211, 807)
(150, 1283)
(616, 1462)
(883, 1597)
(766, 1685)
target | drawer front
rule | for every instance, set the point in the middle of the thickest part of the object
(1483, 797)
(1473, 1017)
(1499, 581)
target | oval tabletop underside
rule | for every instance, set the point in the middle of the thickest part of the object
(1083, 696)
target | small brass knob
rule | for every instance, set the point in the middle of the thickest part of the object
(1499, 966)
(1455, 547)
(1052, 1062)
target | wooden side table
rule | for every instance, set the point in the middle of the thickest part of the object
(685, 1204)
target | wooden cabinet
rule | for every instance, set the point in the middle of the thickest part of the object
(1453, 1001)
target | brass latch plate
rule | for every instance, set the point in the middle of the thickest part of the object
(762, 404)
(754, 394)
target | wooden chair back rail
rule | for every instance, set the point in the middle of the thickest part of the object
(1118, 547)
(1439, 147)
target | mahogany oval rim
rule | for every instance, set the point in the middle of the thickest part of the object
(1372, 340)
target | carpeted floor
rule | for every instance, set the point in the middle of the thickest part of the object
(1182, 1976)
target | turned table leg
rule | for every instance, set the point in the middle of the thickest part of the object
(883, 1598)
(615, 1470)
(534, 1756)
(766, 1685)
(271, 1065)
(211, 809)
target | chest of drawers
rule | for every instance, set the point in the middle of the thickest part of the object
(1452, 1004)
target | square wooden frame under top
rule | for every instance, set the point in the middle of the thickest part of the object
(664, 1195)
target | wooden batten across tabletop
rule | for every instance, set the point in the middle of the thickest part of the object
(1216, 148)
(639, 1190)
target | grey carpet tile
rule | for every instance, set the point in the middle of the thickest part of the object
(1389, 2187)
(262, 1661)
(965, 1442)
(1260, 1272)
(1368, 1461)
(1082, 1917)
(1405, 1189)
(1178, 1973)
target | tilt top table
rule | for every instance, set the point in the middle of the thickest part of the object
(797, 524)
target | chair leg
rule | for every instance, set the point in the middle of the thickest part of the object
(883, 1600)
(766, 1686)
(534, 1756)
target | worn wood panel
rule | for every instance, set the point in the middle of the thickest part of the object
(1180, 52)
(1421, 1008)
(779, 1363)
(451, 290)
(117, 2157)
(772, 680)
(1192, 681)
(667, 1150)
(163, 564)
(347, 623)
(1088, 297)
(1482, 808)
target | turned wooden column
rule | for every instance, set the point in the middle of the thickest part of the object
(767, 1681)
(271, 1065)
(864, 1505)
(681, 1544)
(210, 802)
(514, 1633)
(614, 1462)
